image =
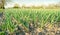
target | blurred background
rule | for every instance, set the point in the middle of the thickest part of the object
(30, 3)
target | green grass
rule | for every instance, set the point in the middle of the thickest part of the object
(1, 10)
(14, 17)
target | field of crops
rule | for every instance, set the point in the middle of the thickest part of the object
(29, 20)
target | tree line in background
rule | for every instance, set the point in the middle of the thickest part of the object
(51, 6)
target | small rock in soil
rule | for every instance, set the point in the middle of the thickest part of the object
(20, 33)
(57, 33)
(41, 33)
(1, 14)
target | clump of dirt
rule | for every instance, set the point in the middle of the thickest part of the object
(48, 29)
